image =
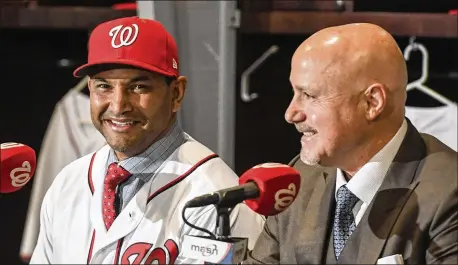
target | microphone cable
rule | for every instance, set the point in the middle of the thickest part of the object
(194, 226)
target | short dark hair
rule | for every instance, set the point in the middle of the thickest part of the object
(169, 79)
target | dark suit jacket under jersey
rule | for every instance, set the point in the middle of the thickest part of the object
(414, 213)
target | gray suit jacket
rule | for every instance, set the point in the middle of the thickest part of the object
(414, 213)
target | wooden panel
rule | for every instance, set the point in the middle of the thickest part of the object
(304, 22)
(297, 5)
(58, 17)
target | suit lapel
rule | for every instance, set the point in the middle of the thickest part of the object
(379, 218)
(312, 241)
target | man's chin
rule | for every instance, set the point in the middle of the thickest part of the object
(309, 160)
(122, 147)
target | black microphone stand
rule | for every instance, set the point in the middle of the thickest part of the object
(223, 226)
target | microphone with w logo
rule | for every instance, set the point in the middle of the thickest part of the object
(17, 166)
(267, 189)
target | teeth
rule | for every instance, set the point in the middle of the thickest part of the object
(309, 133)
(122, 123)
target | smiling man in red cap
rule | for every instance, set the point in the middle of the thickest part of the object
(123, 203)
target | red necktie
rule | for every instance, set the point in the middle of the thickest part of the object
(115, 175)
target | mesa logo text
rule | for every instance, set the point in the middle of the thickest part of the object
(206, 250)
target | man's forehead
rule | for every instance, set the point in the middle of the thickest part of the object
(306, 80)
(314, 74)
(313, 64)
(125, 74)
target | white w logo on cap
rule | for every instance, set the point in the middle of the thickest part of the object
(122, 35)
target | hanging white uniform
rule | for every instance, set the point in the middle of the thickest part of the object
(150, 228)
(69, 136)
(440, 122)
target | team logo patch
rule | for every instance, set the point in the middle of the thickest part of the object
(123, 35)
(140, 253)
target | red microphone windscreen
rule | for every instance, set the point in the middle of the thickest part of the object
(278, 187)
(17, 166)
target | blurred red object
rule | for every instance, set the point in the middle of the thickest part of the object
(453, 12)
(125, 6)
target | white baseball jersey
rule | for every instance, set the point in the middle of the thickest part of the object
(69, 136)
(150, 227)
(440, 122)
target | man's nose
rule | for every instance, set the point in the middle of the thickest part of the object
(120, 102)
(294, 113)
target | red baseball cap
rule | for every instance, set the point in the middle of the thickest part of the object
(132, 41)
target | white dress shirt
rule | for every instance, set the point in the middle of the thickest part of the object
(365, 183)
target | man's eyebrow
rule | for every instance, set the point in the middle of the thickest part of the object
(139, 78)
(99, 80)
(129, 81)
(301, 88)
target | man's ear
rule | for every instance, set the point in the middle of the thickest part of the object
(375, 97)
(178, 90)
(89, 82)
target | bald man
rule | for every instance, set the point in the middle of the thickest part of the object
(374, 190)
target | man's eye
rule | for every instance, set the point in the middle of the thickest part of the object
(307, 95)
(139, 87)
(102, 86)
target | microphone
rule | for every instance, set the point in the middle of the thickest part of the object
(226, 197)
(17, 166)
(267, 189)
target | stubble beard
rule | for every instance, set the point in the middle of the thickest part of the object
(309, 159)
(121, 144)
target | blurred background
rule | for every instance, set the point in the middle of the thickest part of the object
(228, 49)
